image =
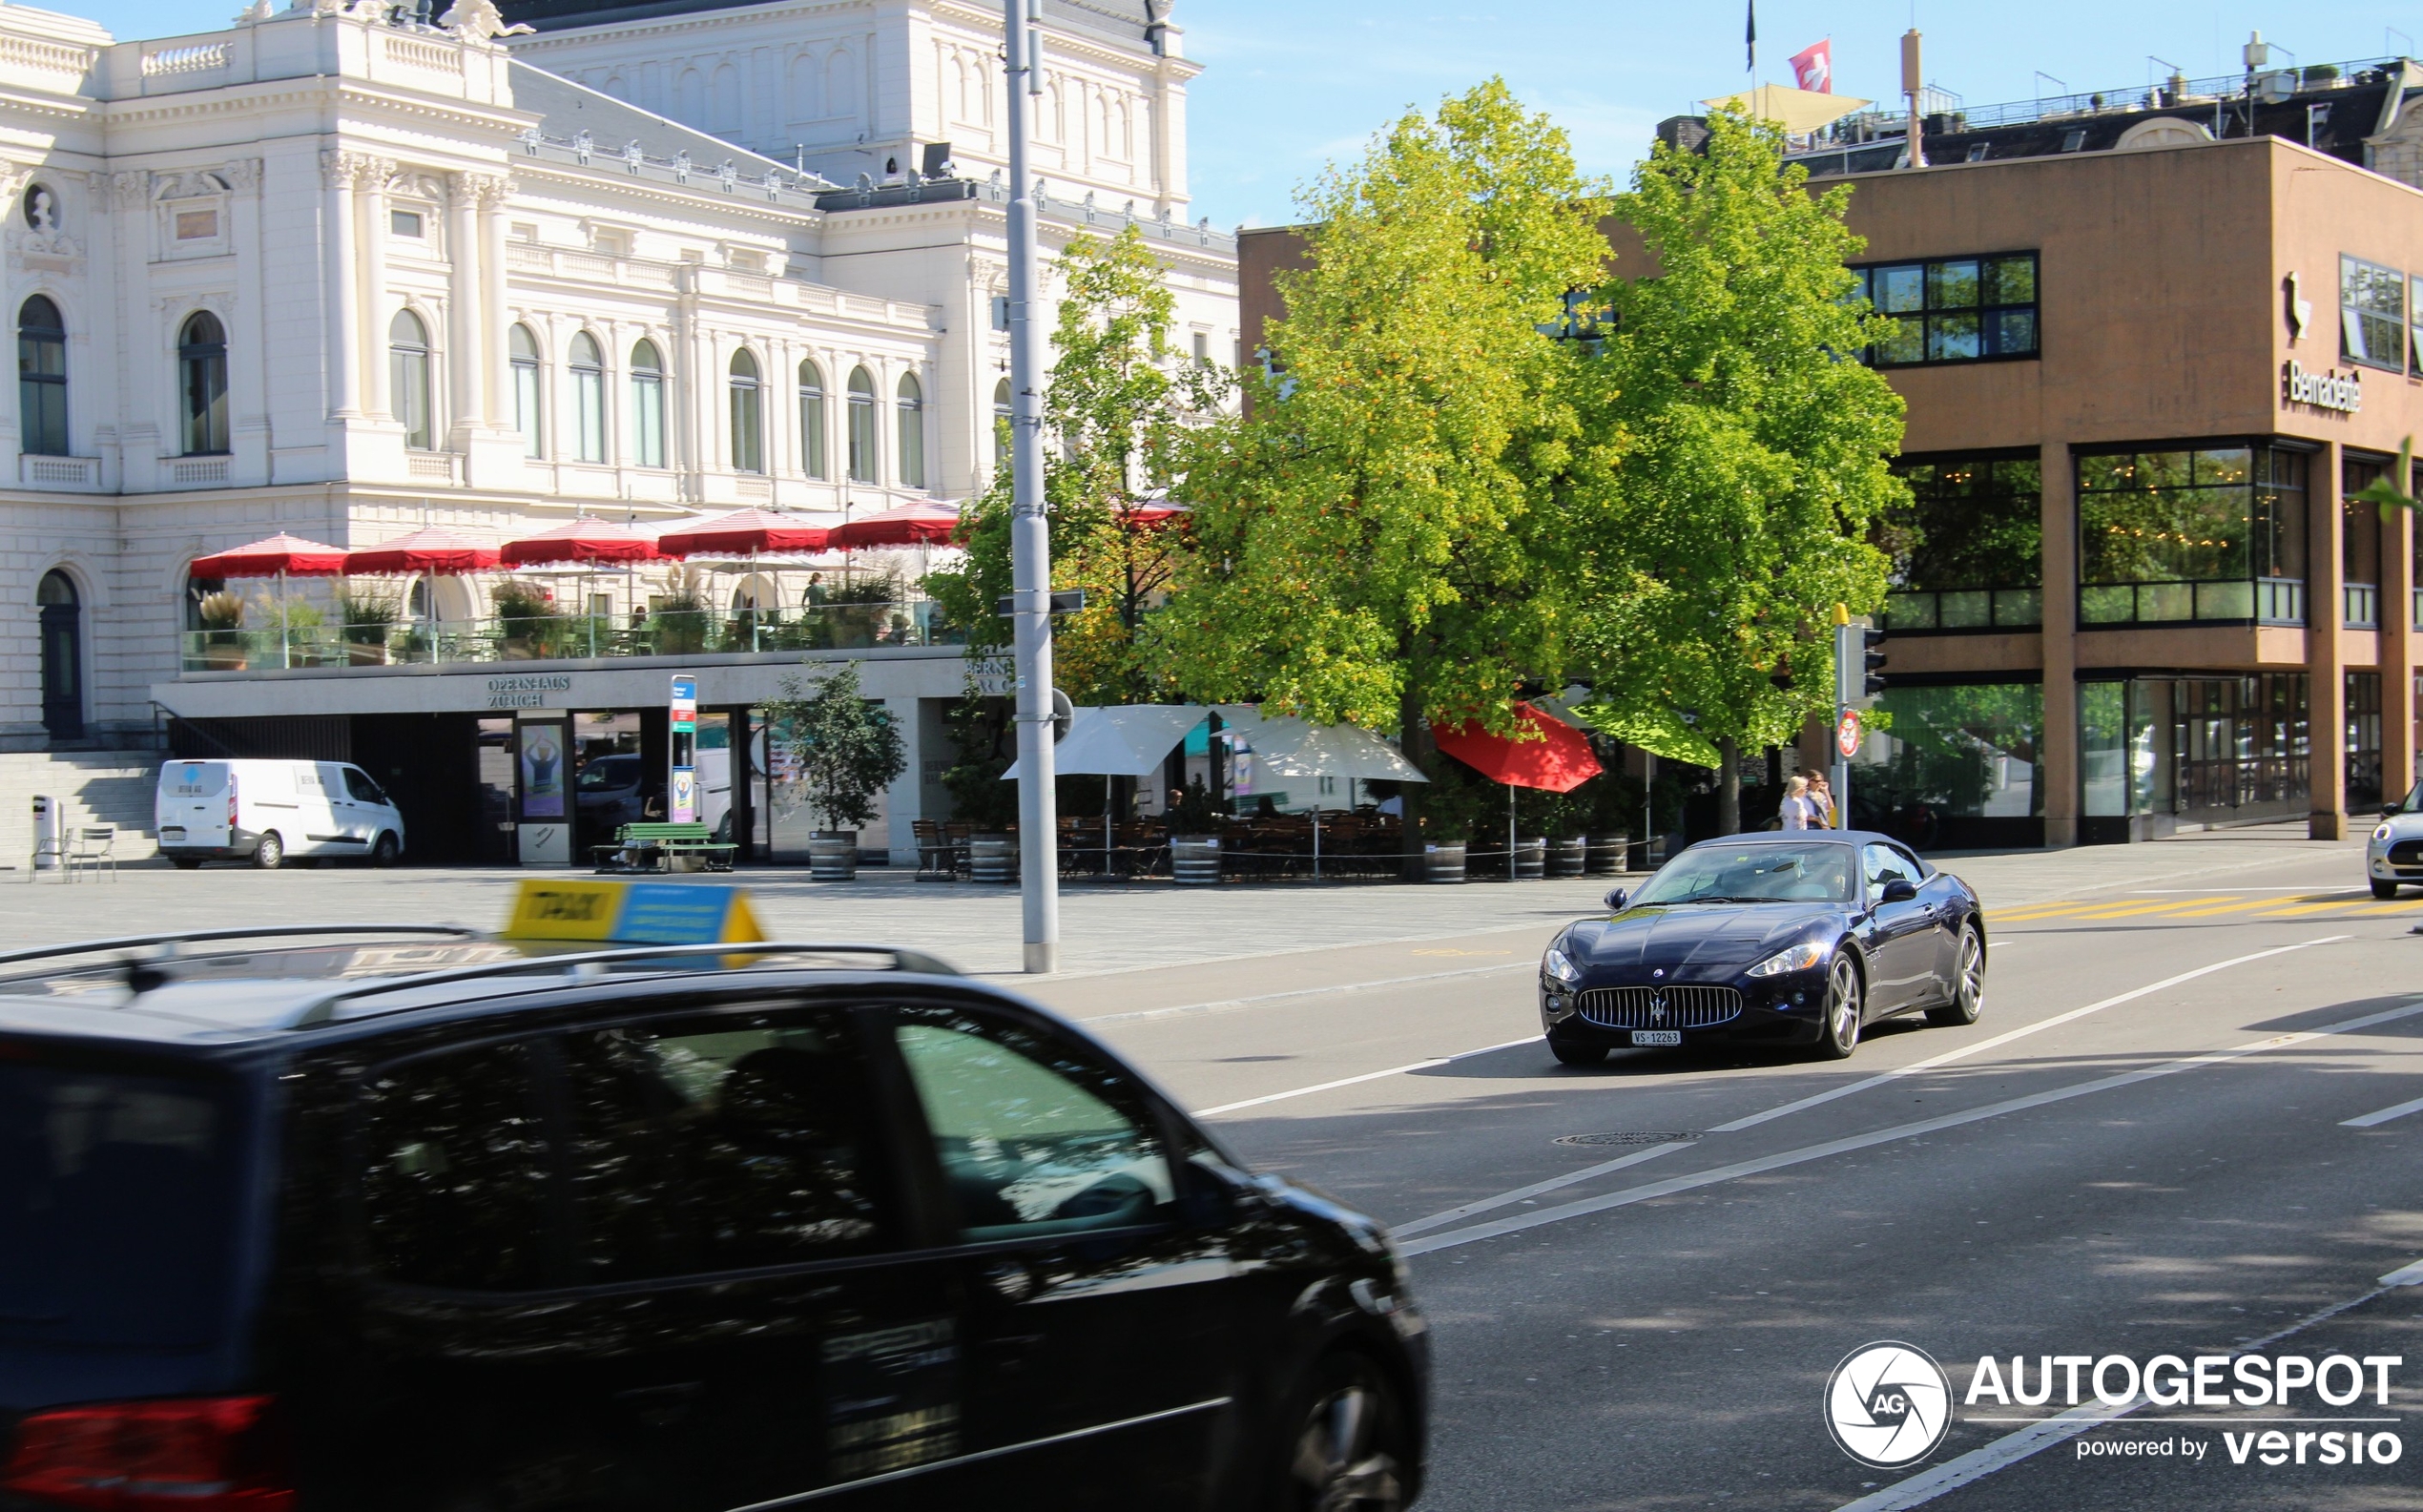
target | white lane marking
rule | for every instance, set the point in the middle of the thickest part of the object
(2404, 1276)
(1223, 1005)
(2011, 1448)
(2384, 1115)
(1367, 1076)
(2007, 1036)
(1883, 1136)
(1502, 1199)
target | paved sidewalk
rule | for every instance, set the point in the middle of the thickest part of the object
(1103, 928)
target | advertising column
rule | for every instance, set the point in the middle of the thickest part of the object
(543, 743)
(681, 805)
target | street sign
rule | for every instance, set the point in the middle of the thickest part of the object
(1847, 733)
(681, 803)
(685, 705)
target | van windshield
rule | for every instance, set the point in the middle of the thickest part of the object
(115, 1206)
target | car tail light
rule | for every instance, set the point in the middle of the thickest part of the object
(231, 800)
(197, 1454)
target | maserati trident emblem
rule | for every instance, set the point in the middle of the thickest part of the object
(1657, 1007)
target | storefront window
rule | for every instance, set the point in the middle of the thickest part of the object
(2359, 544)
(2364, 740)
(1954, 766)
(1953, 310)
(2214, 533)
(1968, 551)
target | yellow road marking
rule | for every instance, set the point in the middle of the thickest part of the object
(2237, 909)
(2311, 908)
(2123, 911)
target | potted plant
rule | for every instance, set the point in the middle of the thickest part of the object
(365, 621)
(847, 753)
(303, 620)
(678, 621)
(222, 617)
(529, 626)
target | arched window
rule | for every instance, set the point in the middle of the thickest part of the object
(527, 408)
(647, 406)
(1001, 416)
(747, 415)
(812, 419)
(201, 362)
(62, 656)
(912, 398)
(588, 398)
(42, 378)
(409, 378)
(861, 425)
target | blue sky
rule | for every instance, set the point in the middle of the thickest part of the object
(1292, 84)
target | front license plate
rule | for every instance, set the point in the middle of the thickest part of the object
(1649, 1037)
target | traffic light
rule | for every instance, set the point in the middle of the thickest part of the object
(1871, 660)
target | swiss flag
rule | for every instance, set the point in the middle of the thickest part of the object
(1814, 66)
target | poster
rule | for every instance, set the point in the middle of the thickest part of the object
(541, 771)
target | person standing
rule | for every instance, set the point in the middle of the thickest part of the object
(1821, 800)
(1795, 811)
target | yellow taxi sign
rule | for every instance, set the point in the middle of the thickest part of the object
(633, 913)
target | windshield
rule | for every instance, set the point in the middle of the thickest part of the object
(2411, 803)
(1753, 874)
(115, 1206)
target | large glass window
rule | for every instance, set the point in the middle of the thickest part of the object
(1954, 766)
(747, 415)
(647, 406)
(1968, 552)
(408, 375)
(2372, 313)
(588, 398)
(42, 379)
(719, 1142)
(1953, 309)
(912, 403)
(529, 409)
(201, 363)
(2214, 533)
(2360, 543)
(812, 419)
(861, 426)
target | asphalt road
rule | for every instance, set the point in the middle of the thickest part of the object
(2141, 1149)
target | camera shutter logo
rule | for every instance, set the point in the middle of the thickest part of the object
(1889, 1404)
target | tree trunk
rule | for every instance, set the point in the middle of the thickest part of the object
(1415, 738)
(1728, 786)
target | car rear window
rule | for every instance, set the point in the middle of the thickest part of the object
(117, 1211)
(193, 780)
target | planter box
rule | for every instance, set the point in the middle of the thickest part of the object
(1569, 856)
(992, 858)
(1194, 860)
(1608, 854)
(1444, 864)
(832, 855)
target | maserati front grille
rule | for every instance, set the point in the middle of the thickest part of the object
(1682, 1008)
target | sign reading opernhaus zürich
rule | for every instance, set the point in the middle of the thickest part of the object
(1888, 1406)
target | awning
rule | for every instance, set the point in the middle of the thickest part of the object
(1129, 740)
(1796, 111)
(1558, 761)
(1292, 749)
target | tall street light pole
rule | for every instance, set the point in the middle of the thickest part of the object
(1030, 541)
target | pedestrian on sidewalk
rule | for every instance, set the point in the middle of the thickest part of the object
(1796, 806)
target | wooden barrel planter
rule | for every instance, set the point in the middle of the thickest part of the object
(1530, 859)
(1606, 854)
(992, 858)
(832, 855)
(1442, 863)
(1194, 861)
(1568, 857)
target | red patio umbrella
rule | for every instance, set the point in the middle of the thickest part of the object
(435, 549)
(583, 540)
(1150, 514)
(282, 556)
(744, 532)
(1558, 764)
(909, 525)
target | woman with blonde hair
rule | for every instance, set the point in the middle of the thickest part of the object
(1796, 805)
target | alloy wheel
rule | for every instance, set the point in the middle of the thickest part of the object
(1343, 1462)
(1968, 984)
(1843, 999)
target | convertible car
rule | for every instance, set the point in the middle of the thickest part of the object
(1793, 938)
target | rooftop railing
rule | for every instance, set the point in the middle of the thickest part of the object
(569, 638)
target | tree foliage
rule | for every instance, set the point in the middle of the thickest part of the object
(1114, 412)
(845, 744)
(1373, 540)
(1755, 462)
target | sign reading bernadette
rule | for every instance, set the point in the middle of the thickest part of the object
(2322, 390)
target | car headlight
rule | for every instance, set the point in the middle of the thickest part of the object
(1557, 965)
(1792, 958)
(2383, 832)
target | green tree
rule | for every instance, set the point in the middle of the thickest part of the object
(1117, 403)
(845, 743)
(1373, 541)
(1755, 465)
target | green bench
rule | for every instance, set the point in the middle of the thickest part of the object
(664, 840)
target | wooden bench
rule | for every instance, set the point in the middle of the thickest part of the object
(665, 840)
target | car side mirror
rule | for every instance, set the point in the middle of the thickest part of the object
(2389, 810)
(1616, 898)
(1900, 890)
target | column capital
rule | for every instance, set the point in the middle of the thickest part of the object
(486, 193)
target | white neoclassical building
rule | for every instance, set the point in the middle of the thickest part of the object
(352, 271)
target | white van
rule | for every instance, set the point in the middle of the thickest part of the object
(270, 812)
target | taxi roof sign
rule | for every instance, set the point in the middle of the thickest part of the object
(633, 913)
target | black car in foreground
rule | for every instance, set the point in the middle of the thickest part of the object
(1800, 937)
(390, 1221)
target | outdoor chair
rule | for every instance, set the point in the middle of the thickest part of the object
(91, 845)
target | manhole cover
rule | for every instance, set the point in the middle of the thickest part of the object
(1632, 1137)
